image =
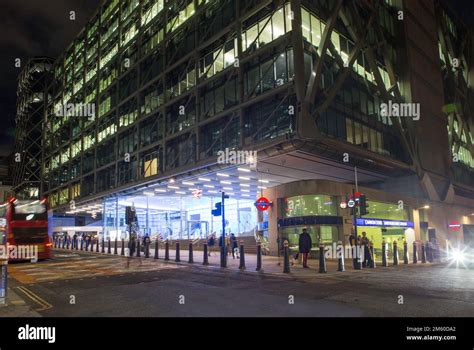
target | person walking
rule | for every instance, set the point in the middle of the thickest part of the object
(304, 246)
(228, 244)
(234, 245)
(364, 241)
(211, 243)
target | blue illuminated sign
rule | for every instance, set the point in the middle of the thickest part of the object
(383, 222)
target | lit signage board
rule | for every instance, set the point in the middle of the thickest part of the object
(385, 223)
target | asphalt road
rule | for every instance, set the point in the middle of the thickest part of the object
(82, 284)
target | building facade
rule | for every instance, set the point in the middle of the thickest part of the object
(33, 84)
(151, 91)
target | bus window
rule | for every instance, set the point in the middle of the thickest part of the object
(27, 210)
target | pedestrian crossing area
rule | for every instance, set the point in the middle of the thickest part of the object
(69, 266)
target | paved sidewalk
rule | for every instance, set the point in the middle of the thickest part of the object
(15, 306)
(270, 264)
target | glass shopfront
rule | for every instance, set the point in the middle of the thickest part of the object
(386, 221)
(178, 217)
(316, 213)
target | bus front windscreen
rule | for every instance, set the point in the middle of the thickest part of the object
(29, 210)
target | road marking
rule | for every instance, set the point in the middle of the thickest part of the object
(36, 298)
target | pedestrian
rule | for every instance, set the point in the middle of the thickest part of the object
(234, 246)
(227, 244)
(74, 241)
(211, 242)
(304, 246)
(364, 241)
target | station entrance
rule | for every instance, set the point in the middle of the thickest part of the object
(178, 217)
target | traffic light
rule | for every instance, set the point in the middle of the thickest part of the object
(130, 215)
(363, 205)
(218, 210)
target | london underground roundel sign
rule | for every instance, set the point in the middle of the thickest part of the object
(454, 225)
(262, 203)
(351, 203)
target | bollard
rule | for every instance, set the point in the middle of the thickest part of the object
(67, 242)
(340, 257)
(115, 246)
(423, 253)
(87, 244)
(138, 247)
(384, 253)
(242, 256)
(103, 245)
(371, 256)
(259, 256)
(415, 255)
(109, 246)
(123, 247)
(177, 258)
(167, 250)
(92, 245)
(405, 252)
(205, 259)
(322, 259)
(395, 253)
(356, 256)
(190, 258)
(97, 246)
(286, 258)
(64, 242)
(147, 249)
(157, 248)
(82, 243)
(76, 243)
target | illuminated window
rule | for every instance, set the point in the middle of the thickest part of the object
(152, 12)
(270, 28)
(181, 17)
(63, 196)
(75, 190)
(88, 141)
(108, 56)
(151, 167)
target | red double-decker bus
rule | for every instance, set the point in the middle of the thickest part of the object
(25, 223)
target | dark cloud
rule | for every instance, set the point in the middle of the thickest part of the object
(31, 28)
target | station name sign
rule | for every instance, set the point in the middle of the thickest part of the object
(382, 222)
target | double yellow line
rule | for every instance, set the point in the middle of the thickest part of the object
(36, 298)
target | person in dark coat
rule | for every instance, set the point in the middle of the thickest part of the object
(305, 245)
(364, 241)
(234, 246)
(211, 242)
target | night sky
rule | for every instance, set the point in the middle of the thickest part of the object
(31, 28)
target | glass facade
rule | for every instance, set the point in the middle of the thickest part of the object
(376, 234)
(308, 205)
(172, 84)
(178, 217)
